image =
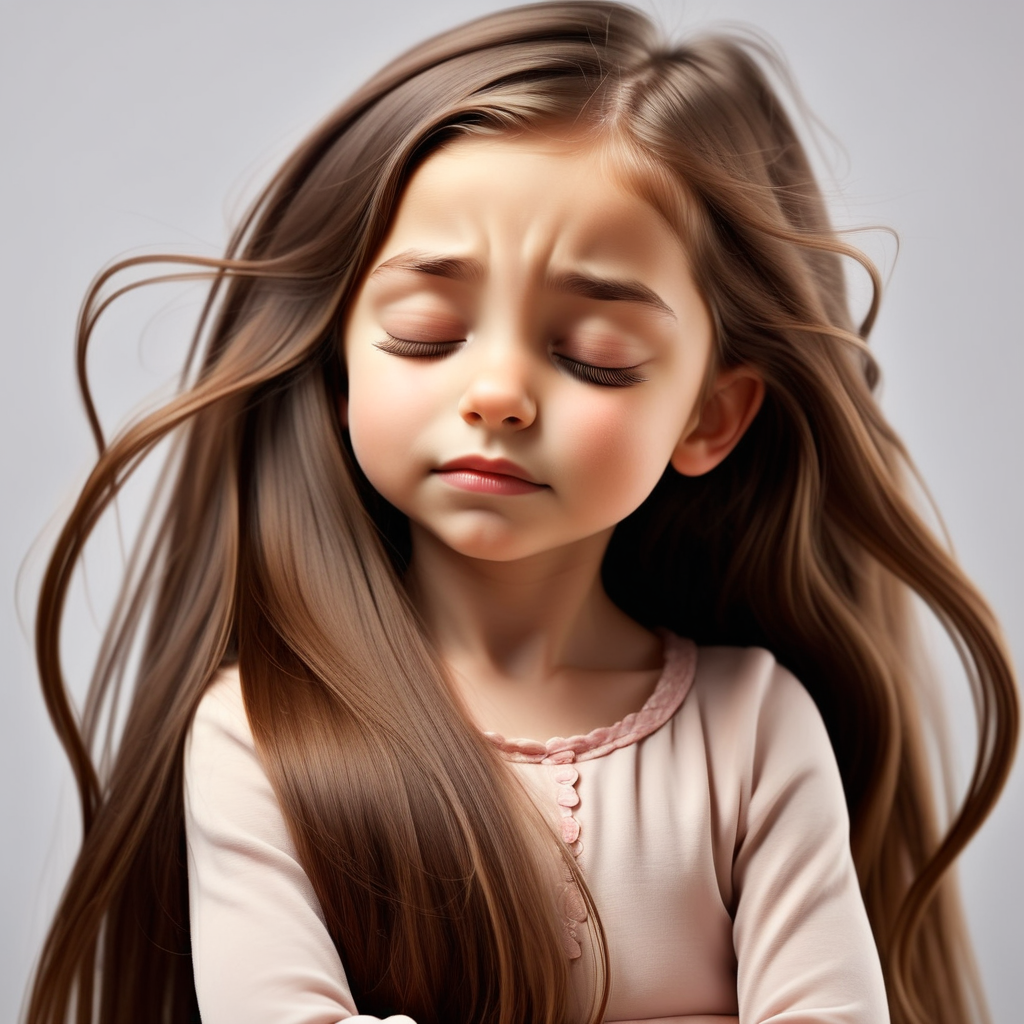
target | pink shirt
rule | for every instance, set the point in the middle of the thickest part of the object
(711, 828)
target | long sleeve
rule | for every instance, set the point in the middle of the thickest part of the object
(804, 948)
(260, 949)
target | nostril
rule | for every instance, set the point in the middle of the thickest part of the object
(497, 408)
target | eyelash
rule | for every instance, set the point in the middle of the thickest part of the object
(416, 349)
(602, 376)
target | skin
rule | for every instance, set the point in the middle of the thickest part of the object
(510, 262)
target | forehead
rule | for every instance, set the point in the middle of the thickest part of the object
(552, 198)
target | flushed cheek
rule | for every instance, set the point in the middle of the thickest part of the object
(386, 419)
(611, 462)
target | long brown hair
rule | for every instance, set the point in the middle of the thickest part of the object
(272, 550)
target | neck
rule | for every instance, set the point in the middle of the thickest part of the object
(525, 619)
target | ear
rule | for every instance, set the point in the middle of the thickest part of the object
(343, 411)
(728, 410)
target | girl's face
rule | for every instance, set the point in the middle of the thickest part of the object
(526, 353)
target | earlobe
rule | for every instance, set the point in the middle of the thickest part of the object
(734, 401)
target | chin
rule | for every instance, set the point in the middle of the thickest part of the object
(490, 538)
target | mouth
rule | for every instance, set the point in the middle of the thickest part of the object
(488, 476)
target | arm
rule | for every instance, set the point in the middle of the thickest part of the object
(804, 947)
(261, 952)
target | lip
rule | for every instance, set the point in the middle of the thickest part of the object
(489, 476)
(495, 467)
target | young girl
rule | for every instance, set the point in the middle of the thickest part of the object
(527, 403)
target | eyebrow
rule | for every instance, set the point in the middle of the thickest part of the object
(455, 268)
(460, 268)
(608, 290)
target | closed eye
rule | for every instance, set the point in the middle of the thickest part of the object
(416, 349)
(605, 376)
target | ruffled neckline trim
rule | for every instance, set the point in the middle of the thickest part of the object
(669, 692)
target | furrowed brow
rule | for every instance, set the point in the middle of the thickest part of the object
(455, 268)
(459, 268)
(608, 290)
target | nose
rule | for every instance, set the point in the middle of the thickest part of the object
(497, 398)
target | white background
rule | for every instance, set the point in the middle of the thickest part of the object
(132, 127)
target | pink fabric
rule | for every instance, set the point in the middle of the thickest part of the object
(710, 826)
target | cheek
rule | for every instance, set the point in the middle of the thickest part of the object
(386, 415)
(616, 454)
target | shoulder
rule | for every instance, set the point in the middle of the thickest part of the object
(220, 714)
(764, 738)
(219, 746)
(225, 782)
(745, 688)
(219, 735)
(760, 729)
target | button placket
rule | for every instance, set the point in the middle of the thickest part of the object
(574, 908)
